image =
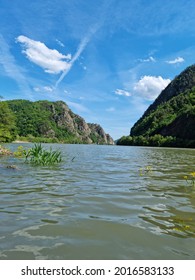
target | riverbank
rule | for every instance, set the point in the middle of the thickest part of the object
(4, 151)
(20, 142)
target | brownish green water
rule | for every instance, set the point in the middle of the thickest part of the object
(97, 204)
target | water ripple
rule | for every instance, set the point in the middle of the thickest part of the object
(133, 197)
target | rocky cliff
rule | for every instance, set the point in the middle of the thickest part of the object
(55, 120)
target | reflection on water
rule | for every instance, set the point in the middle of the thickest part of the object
(99, 205)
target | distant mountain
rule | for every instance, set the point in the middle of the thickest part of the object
(47, 121)
(170, 120)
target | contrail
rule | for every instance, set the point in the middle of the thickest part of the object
(80, 49)
(86, 39)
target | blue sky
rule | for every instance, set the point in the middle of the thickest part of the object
(107, 59)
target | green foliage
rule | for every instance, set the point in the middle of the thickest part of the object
(50, 122)
(96, 138)
(156, 140)
(40, 121)
(7, 123)
(37, 155)
(31, 118)
(172, 114)
(165, 115)
(20, 152)
(182, 83)
(33, 139)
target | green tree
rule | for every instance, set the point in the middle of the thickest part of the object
(7, 123)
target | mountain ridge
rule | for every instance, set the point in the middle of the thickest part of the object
(181, 83)
(55, 122)
(171, 115)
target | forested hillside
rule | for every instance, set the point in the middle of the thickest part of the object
(170, 120)
(45, 121)
(7, 123)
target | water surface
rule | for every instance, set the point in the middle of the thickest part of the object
(101, 202)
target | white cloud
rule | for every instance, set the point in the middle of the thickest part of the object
(149, 87)
(176, 60)
(122, 92)
(12, 70)
(37, 89)
(84, 42)
(149, 59)
(80, 49)
(43, 89)
(48, 88)
(50, 60)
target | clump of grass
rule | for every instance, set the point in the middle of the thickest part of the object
(37, 155)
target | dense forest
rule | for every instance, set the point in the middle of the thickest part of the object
(170, 120)
(7, 123)
(45, 121)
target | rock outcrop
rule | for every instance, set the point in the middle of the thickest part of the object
(55, 120)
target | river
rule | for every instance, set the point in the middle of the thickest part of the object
(101, 202)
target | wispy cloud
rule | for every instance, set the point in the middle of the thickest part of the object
(122, 92)
(43, 89)
(11, 68)
(50, 60)
(48, 88)
(60, 43)
(176, 60)
(149, 87)
(149, 59)
(86, 39)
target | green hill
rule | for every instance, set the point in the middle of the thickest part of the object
(45, 121)
(170, 120)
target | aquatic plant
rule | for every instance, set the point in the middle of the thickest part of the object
(145, 170)
(183, 225)
(20, 152)
(37, 155)
(190, 179)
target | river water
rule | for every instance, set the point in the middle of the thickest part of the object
(101, 202)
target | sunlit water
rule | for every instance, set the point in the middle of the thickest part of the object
(101, 202)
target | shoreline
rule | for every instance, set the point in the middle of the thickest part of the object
(20, 141)
(4, 151)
